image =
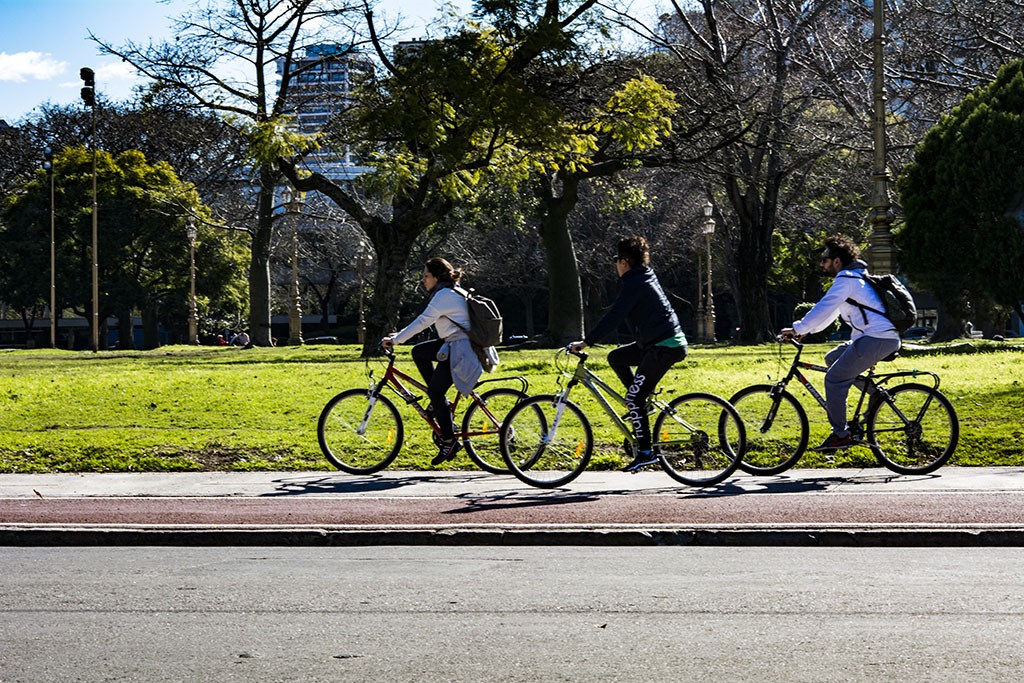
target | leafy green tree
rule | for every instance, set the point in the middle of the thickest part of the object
(215, 43)
(143, 248)
(447, 115)
(964, 234)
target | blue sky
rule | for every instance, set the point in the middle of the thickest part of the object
(43, 43)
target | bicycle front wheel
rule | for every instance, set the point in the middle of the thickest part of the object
(776, 427)
(915, 431)
(699, 439)
(360, 433)
(481, 428)
(546, 442)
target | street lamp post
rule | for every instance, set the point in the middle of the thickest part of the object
(89, 98)
(709, 309)
(361, 330)
(700, 295)
(295, 201)
(881, 252)
(48, 165)
(193, 314)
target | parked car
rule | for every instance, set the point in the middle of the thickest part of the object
(918, 333)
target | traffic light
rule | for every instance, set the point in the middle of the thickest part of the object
(89, 91)
(48, 159)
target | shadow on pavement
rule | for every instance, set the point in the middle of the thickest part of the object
(510, 500)
(343, 483)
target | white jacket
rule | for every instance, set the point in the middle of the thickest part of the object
(445, 306)
(849, 284)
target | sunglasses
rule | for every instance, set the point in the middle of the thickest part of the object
(616, 259)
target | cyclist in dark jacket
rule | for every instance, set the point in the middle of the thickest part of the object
(660, 342)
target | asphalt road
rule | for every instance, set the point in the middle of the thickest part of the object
(511, 614)
(955, 506)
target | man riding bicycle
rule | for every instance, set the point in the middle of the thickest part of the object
(873, 337)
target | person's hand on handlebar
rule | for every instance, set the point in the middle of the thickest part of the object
(577, 346)
(388, 342)
(788, 333)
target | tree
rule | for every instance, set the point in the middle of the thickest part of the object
(143, 254)
(202, 64)
(964, 234)
(447, 115)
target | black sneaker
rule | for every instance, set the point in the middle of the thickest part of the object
(835, 443)
(449, 448)
(642, 460)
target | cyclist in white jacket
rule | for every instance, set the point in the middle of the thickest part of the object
(456, 362)
(873, 337)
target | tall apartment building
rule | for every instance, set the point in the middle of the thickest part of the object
(330, 73)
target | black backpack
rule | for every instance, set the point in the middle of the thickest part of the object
(896, 300)
(485, 324)
(485, 328)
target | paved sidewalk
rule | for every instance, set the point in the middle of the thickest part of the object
(954, 506)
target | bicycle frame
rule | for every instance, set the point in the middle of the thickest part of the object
(393, 379)
(601, 391)
(869, 384)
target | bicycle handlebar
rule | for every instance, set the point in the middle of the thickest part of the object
(583, 355)
(789, 340)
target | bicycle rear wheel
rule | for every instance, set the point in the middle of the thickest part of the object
(776, 427)
(915, 431)
(546, 443)
(699, 439)
(481, 428)
(360, 433)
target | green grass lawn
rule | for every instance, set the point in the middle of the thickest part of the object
(181, 408)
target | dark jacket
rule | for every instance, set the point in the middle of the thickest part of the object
(643, 305)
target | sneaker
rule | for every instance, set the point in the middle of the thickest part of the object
(642, 460)
(449, 447)
(835, 443)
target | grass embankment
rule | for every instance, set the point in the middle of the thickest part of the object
(181, 408)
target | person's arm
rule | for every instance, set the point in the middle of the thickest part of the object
(614, 316)
(826, 310)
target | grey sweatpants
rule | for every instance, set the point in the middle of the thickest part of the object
(845, 362)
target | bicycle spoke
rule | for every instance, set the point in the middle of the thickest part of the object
(913, 445)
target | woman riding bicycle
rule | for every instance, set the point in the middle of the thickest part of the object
(660, 342)
(456, 362)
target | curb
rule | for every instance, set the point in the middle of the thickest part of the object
(363, 537)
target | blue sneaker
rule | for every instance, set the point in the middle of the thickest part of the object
(640, 461)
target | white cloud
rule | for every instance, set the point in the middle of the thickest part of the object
(23, 66)
(117, 71)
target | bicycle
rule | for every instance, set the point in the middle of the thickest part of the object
(911, 428)
(547, 440)
(361, 431)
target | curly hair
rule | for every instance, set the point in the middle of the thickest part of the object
(841, 247)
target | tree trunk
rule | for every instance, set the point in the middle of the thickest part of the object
(125, 336)
(150, 328)
(565, 298)
(393, 245)
(259, 268)
(753, 253)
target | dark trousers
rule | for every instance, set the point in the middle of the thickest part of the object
(437, 375)
(651, 365)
